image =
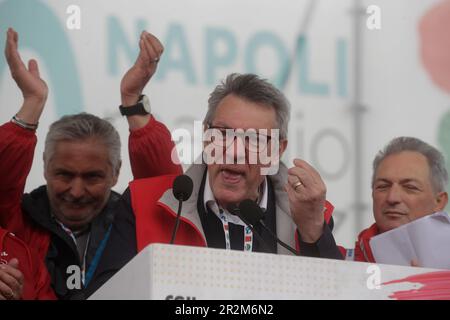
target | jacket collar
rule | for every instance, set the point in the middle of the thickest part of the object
(286, 227)
(363, 245)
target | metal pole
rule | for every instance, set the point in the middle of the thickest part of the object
(305, 22)
(357, 110)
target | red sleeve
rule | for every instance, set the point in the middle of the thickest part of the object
(328, 212)
(16, 157)
(37, 282)
(43, 287)
(150, 150)
(343, 251)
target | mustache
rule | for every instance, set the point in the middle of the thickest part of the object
(76, 201)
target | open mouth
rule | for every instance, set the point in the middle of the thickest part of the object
(232, 175)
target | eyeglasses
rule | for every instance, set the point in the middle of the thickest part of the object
(254, 141)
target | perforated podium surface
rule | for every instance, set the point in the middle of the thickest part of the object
(166, 271)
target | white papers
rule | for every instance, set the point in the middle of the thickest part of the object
(426, 240)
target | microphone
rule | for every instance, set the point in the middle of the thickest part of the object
(233, 209)
(254, 215)
(182, 190)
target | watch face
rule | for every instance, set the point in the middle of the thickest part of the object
(146, 103)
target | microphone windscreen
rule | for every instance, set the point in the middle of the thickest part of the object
(250, 211)
(233, 209)
(182, 187)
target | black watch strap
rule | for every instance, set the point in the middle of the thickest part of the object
(137, 109)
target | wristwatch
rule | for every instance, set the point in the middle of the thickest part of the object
(142, 107)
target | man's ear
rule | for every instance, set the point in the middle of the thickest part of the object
(44, 160)
(441, 201)
(283, 146)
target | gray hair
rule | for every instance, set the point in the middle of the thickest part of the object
(435, 159)
(80, 127)
(254, 89)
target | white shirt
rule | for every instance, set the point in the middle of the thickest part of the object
(210, 201)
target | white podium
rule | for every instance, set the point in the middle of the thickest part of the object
(181, 272)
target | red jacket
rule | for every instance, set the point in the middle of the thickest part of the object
(155, 208)
(362, 251)
(155, 220)
(150, 154)
(36, 278)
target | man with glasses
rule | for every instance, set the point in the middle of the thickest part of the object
(246, 116)
(258, 145)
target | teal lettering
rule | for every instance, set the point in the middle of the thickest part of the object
(182, 62)
(41, 31)
(118, 40)
(267, 39)
(214, 59)
(306, 85)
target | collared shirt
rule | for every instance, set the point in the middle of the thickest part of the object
(209, 201)
(81, 241)
(80, 238)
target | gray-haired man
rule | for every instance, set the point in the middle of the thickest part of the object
(409, 182)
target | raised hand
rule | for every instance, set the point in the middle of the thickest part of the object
(306, 191)
(33, 88)
(28, 80)
(136, 78)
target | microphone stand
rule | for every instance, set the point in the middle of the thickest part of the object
(236, 211)
(281, 243)
(177, 221)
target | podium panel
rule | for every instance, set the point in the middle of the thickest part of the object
(180, 272)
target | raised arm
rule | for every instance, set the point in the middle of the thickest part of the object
(34, 89)
(17, 138)
(150, 145)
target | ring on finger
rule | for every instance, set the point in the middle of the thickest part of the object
(296, 185)
(9, 295)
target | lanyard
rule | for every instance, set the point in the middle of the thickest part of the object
(97, 256)
(350, 255)
(248, 234)
(71, 234)
(86, 277)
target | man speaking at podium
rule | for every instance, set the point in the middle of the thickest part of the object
(293, 199)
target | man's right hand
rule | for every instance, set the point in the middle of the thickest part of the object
(34, 89)
(137, 77)
(134, 81)
(11, 281)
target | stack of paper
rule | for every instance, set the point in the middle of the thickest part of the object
(426, 240)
